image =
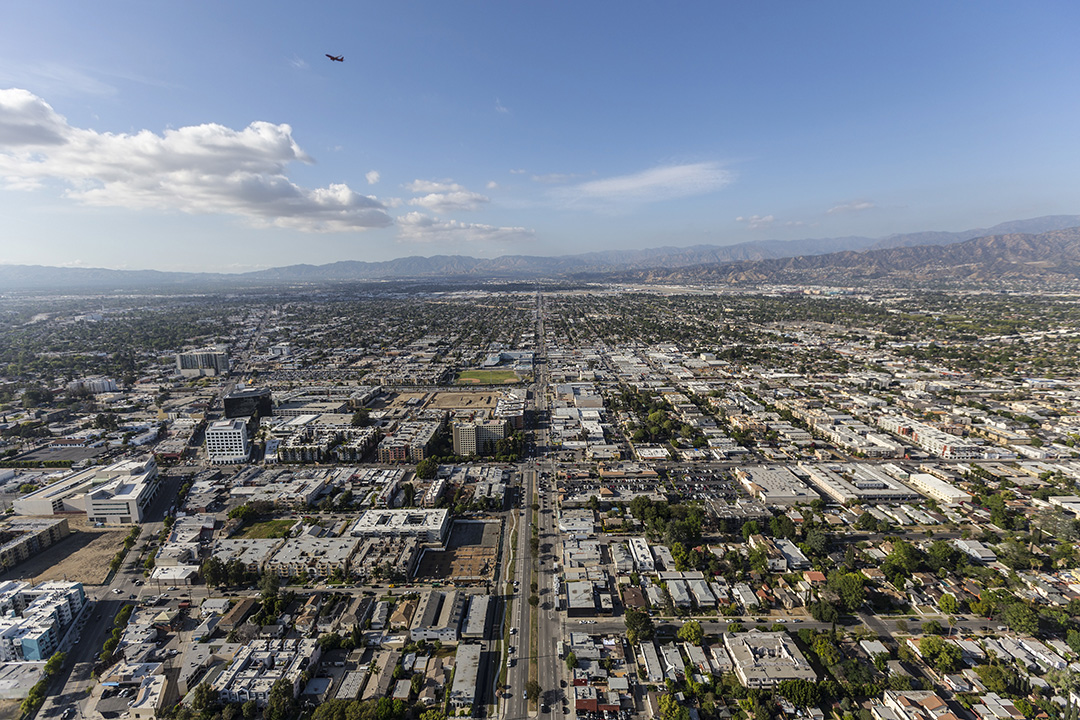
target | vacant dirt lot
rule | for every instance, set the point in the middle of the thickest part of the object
(82, 557)
(9, 709)
(398, 400)
(467, 400)
(470, 555)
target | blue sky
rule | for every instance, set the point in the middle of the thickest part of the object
(218, 136)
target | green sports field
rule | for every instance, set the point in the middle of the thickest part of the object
(487, 377)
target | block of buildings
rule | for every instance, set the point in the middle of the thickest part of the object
(314, 556)
(23, 538)
(428, 525)
(764, 659)
(261, 663)
(35, 618)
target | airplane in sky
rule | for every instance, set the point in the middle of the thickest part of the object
(336, 58)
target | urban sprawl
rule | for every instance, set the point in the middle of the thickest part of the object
(601, 503)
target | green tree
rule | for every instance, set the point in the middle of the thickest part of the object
(825, 648)
(1021, 618)
(204, 700)
(782, 526)
(691, 632)
(750, 527)
(948, 604)
(998, 678)
(671, 708)
(532, 690)
(269, 584)
(849, 588)
(801, 693)
(54, 663)
(427, 469)
(280, 705)
(824, 611)
(639, 626)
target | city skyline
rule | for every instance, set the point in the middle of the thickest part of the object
(223, 139)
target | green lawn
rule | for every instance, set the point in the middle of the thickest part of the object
(268, 529)
(487, 377)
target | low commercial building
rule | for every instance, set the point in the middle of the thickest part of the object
(466, 675)
(643, 559)
(975, 550)
(439, 616)
(476, 621)
(775, 485)
(938, 489)
(251, 552)
(865, 484)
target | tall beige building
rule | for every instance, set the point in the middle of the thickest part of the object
(478, 437)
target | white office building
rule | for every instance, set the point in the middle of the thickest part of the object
(227, 442)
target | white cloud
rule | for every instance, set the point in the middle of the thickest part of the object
(853, 206)
(500, 108)
(445, 196)
(415, 227)
(197, 169)
(756, 221)
(653, 185)
(492, 185)
(372, 177)
(26, 119)
(298, 62)
(432, 186)
(518, 171)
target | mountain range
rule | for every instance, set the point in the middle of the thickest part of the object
(992, 261)
(1023, 248)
